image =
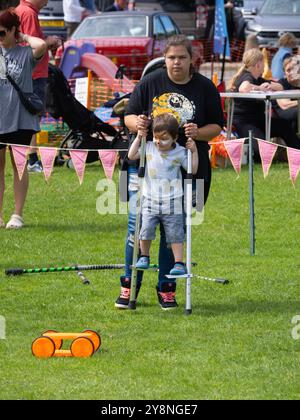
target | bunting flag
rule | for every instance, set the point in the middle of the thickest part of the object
(267, 152)
(47, 157)
(235, 152)
(79, 158)
(20, 158)
(108, 160)
(294, 163)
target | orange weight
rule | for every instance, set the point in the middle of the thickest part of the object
(43, 347)
(57, 341)
(82, 347)
(96, 339)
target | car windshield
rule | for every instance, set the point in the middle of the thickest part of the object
(280, 7)
(112, 26)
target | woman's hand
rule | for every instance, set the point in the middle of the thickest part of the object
(264, 87)
(53, 42)
(142, 123)
(191, 130)
(22, 38)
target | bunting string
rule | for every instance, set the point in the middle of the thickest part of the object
(108, 157)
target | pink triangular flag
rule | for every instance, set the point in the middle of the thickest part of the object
(20, 158)
(267, 152)
(79, 158)
(234, 149)
(108, 160)
(47, 157)
(294, 163)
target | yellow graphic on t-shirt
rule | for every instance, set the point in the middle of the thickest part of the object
(149, 157)
(176, 104)
(176, 162)
(152, 173)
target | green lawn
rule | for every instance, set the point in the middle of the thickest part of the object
(236, 344)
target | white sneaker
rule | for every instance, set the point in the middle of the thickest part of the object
(36, 167)
(16, 222)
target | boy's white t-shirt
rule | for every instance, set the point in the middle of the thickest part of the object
(163, 179)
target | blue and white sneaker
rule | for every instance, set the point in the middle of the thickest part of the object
(36, 167)
(178, 270)
(143, 263)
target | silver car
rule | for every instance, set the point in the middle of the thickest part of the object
(273, 19)
(243, 12)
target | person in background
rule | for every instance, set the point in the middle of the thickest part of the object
(196, 103)
(17, 125)
(249, 114)
(118, 5)
(74, 13)
(287, 42)
(252, 42)
(28, 11)
(287, 109)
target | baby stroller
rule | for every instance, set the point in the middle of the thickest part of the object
(87, 131)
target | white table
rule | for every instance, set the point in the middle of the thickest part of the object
(264, 96)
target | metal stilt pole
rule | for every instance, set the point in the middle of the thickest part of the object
(251, 196)
(141, 175)
(188, 304)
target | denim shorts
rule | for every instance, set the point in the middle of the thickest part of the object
(173, 222)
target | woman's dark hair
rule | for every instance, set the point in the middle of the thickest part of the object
(166, 122)
(9, 19)
(181, 40)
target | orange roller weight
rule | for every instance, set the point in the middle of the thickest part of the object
(43, 347)
(82, 347)
(95, 337)
(58, 342)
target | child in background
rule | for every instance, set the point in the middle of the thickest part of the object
(162, 190)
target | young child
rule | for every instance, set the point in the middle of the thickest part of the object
(162, 190)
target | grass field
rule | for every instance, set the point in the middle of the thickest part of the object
(237, 344)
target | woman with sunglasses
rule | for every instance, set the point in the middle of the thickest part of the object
(17, 125)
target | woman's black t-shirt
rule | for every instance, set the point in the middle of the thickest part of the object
(197, 101)
(249, 108)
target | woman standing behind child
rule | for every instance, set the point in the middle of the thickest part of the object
(163, 192)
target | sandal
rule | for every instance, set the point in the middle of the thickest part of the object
(16, 222)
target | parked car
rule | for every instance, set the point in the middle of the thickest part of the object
(130, 39)
(244, 12)
(51, 18)
(273, 19)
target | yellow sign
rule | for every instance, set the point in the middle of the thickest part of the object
(59, 23)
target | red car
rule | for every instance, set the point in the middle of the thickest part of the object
(131, 39)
